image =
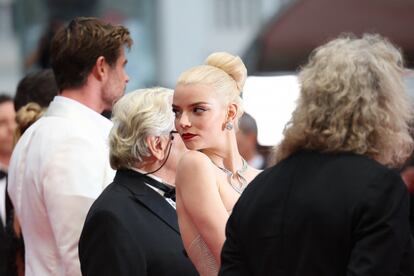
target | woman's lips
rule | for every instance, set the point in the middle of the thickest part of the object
(187, 136)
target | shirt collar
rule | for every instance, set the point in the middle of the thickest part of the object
(159, 179)
(161, 192)
(64, 106)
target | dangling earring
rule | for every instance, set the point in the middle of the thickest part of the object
(229, 126)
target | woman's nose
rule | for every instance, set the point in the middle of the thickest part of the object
(184, 120)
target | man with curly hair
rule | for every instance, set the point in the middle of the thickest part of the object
(333, 205)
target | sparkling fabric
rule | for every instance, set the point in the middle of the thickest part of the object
(202, 257)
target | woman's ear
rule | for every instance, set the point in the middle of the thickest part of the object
(156, 146)
(230, 117)
(232, 112)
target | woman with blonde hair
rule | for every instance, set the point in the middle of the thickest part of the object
(212, 175)
(25, 117)
(332, 205)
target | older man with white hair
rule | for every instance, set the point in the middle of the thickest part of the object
(132, 227)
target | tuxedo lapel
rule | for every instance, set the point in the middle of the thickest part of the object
(135, 183)
(2, 230)
(160, 207)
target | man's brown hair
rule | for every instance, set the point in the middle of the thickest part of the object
(76, 47)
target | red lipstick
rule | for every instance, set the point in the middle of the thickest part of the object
(187, 136)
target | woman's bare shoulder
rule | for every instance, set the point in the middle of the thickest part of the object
(194, 159)
(193, 166)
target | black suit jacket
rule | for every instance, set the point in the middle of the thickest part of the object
(412, 213)
(3, 240)
(132, 230)
(11, 246)
(321, 215)
(5, 245)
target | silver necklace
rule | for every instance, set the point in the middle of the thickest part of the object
(242, 181)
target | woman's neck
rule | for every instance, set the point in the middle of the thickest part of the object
(227, 157)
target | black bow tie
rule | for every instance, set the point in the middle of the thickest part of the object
(170, 194)
(169, 191)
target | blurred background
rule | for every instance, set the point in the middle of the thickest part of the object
(273, 37)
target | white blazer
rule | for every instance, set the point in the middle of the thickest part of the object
(58, 168)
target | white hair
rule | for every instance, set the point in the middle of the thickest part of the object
(136, 116)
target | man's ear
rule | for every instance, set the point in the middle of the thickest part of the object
(156, 146)
(100, 68)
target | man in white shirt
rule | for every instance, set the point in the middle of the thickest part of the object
(60, 165)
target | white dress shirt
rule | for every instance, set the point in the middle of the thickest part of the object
(58, 168)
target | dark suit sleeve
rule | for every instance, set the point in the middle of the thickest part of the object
(107, 248)
(231, 255)
(412, 214)
(407, 263)
(381, 231)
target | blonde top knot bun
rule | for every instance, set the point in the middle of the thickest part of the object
(225, 73)
(230, 64)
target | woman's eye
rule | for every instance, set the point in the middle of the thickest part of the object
(198, 110)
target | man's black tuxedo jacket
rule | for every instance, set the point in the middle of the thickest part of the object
(10, 245)
(4, 248)
(321, 215)
(131, 230)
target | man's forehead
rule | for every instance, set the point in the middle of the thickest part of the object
(7, 104)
